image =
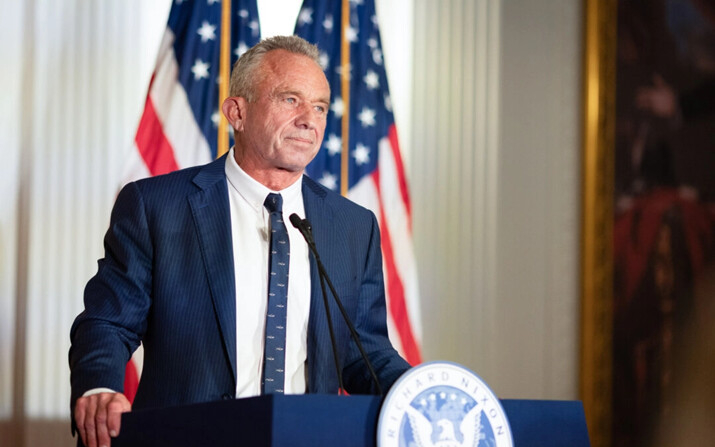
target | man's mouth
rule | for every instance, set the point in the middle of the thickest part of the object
(301, 140)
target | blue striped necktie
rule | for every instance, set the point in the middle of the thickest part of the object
(274, 354)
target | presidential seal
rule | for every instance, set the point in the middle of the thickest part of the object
(442, 404)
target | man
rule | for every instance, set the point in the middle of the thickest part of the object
(186, 268)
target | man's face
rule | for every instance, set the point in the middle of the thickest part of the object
(283, 127)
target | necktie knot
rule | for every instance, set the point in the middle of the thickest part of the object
(274, 203)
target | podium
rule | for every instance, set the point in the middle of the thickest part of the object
(316, 420)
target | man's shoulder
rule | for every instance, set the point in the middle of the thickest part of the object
(335, 200)
(178, 181)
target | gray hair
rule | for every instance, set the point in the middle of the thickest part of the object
(243, 76)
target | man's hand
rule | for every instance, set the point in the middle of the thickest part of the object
(98, 416)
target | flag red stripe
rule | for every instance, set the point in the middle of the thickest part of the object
(131, 381)
(155, 149)
(401, 178)
(396, 290)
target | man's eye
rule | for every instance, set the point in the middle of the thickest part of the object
(320, 109)
(290, 100)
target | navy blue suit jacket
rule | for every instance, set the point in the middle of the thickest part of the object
(167, 279)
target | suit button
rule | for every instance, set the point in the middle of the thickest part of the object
(226, 396)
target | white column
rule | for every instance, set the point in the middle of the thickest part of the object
(87, 67)
(11, 53)
(495, 188)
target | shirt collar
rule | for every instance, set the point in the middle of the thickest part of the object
(253, 192)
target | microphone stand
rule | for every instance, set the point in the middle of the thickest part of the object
(306, 230)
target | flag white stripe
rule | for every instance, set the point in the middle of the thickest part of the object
(174, 111)
(398, 223)
(134, 167)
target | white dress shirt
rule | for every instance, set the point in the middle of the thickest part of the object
(250, 230)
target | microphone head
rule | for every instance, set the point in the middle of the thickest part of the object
(296, 220)
(304, 227)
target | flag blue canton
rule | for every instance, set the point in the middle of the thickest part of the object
(196, 25)
(319, 22)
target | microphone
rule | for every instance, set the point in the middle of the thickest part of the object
(305, 229)
(303, 225)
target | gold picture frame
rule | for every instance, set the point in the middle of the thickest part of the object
(599, 72)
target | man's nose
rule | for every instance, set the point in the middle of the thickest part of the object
(307, 117)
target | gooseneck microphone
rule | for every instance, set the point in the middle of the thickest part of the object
(306, 230)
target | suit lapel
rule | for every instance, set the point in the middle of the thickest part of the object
(212, 218)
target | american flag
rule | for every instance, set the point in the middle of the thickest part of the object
(179, 125)
(376, 176)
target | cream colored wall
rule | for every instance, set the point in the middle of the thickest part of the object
(495, 184)
(539, 198)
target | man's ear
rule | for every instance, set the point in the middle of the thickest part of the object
(234, 109)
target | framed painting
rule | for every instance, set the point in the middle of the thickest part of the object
(648, 270)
